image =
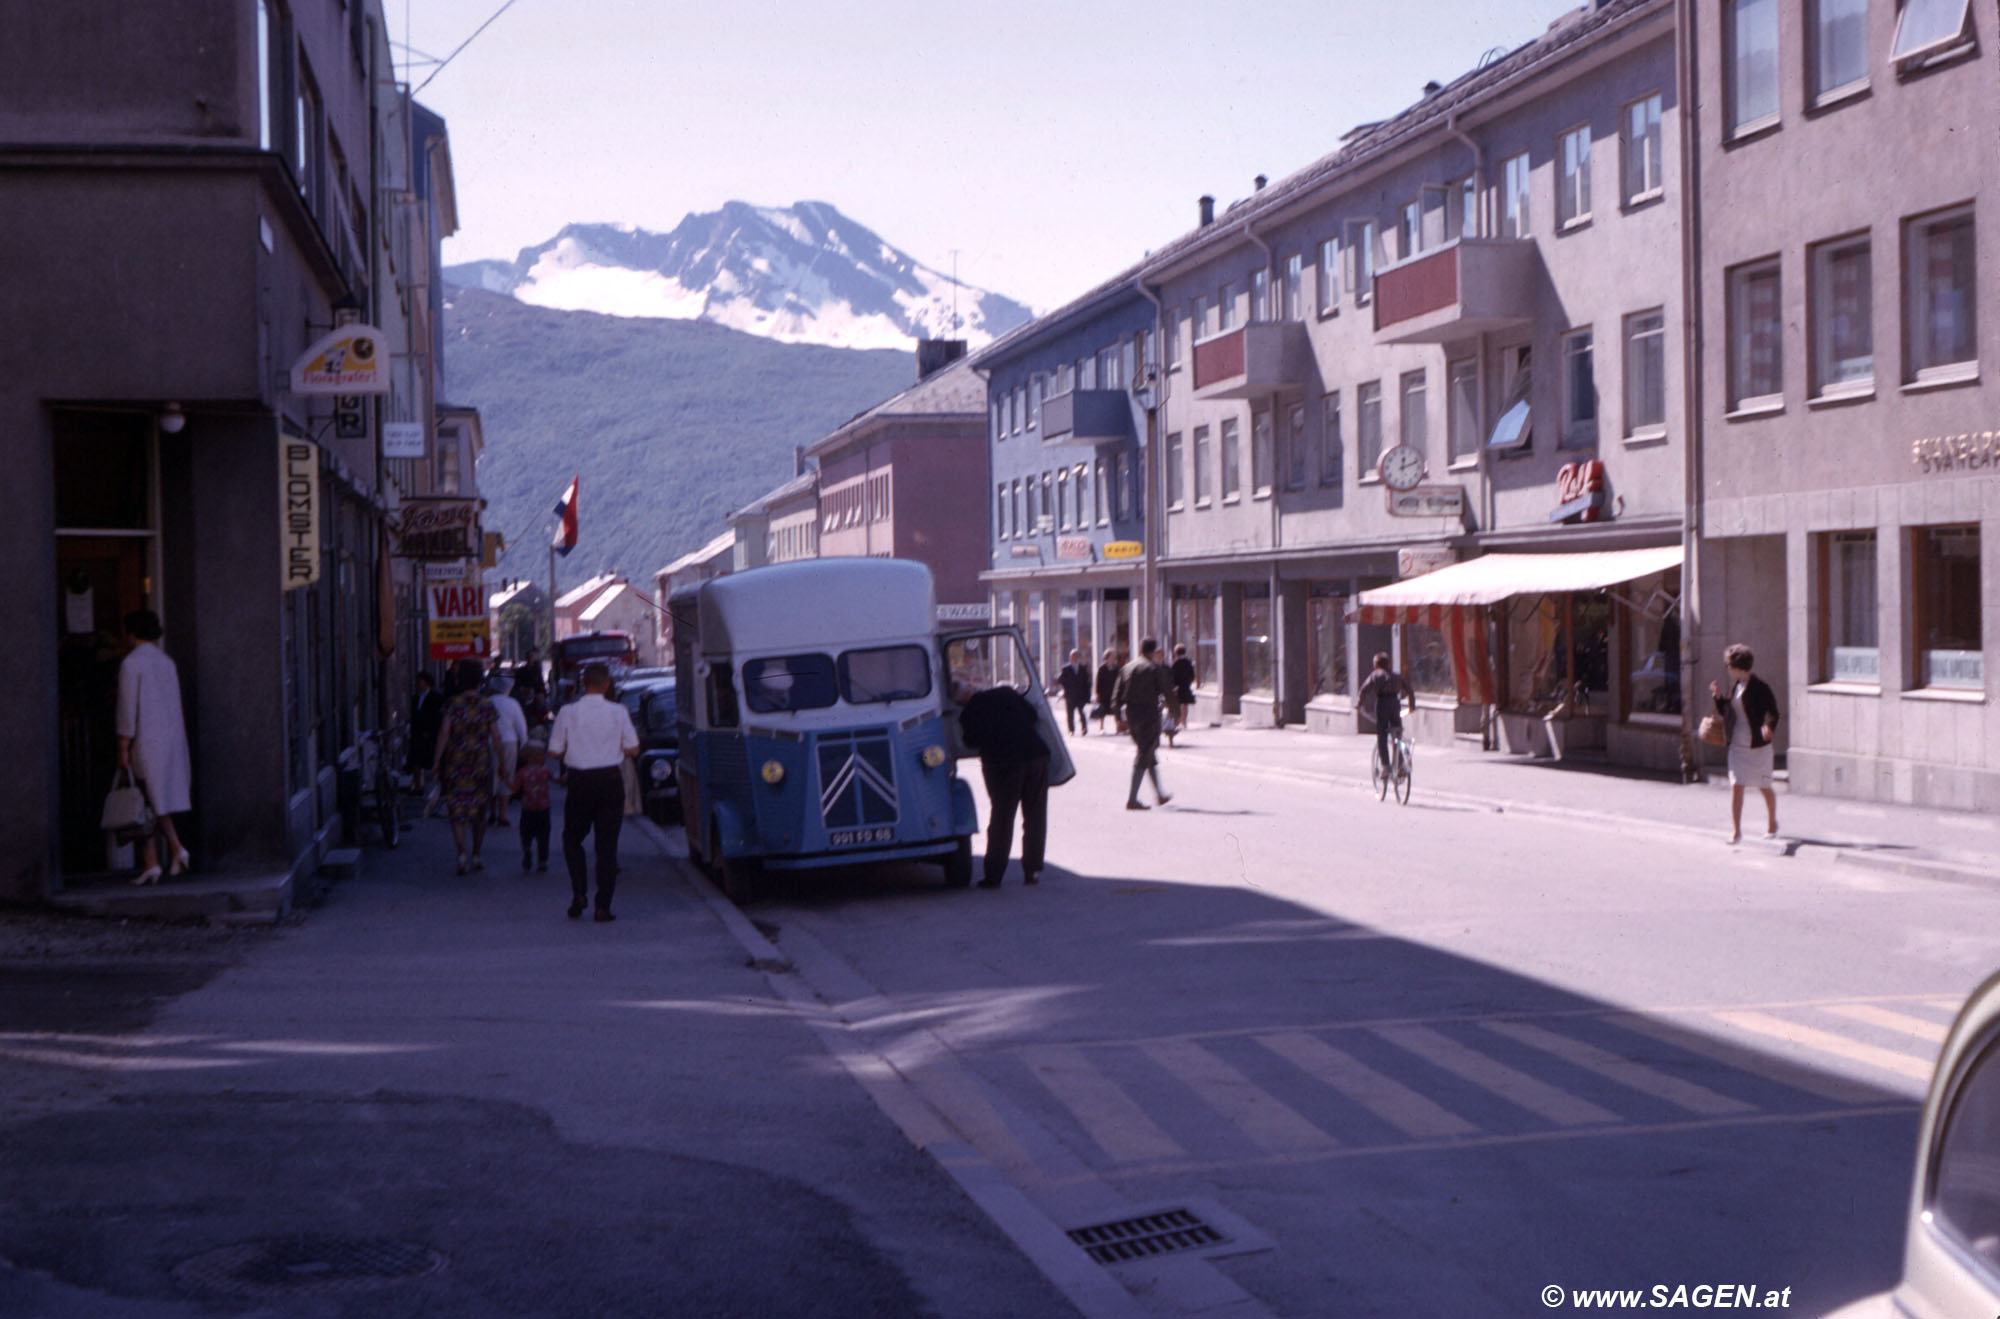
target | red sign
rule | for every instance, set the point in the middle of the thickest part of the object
(458, 620)
(1579, 493)
(1072, 547)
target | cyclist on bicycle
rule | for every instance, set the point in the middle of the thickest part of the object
(1384, 691)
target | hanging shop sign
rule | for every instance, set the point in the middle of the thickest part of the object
(1580, 493)
(440, 529)
(1428, 501)
(1416, 560)
(459, 628)
(1974, 451)
(353, 359)
(298, 509)
(1072, 547)
(403, 439)
(1123, 549)
(965, 613)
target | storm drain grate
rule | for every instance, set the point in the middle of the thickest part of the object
(1166, 1233)
(289, 1266)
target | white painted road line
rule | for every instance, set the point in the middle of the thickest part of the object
(1928, 1031)
(1647, 1080)
(1106, 1113)
(1390, 1100)
(1266, 1120)
(1492, 1075)
(1758, 1023)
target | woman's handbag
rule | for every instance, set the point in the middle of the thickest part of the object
(126, 812)
(1712, 731)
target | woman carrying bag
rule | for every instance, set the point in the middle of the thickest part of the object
(1749, 716)
(152, 740)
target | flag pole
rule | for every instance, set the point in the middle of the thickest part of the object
(552, 597)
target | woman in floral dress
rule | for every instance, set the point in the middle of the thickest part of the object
(468, 750)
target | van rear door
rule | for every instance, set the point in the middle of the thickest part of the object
(990, 655)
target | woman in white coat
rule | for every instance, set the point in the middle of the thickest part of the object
(152, 738)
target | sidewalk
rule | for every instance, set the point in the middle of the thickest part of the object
(1950, 845)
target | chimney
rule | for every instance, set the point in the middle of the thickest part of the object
(1207, 211)
(1432, 88)
(798, 460)
(933, 355)
(1260, 181)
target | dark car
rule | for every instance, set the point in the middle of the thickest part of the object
(652, 708)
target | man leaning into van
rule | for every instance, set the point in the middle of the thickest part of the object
(592, 735)
(1001, 726)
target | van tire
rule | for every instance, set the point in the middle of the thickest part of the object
(742, 878)
(958, 865)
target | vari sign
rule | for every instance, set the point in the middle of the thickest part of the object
(458, 619)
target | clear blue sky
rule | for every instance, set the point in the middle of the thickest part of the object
(1049, 143)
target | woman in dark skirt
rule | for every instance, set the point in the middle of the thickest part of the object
(426, 718)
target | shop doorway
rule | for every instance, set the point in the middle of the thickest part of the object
(105, 565)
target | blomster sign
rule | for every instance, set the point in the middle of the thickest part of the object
(298, 504)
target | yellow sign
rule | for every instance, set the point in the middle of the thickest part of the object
(458, 622)
(1123, 549)
(354, 359)
(298, 509)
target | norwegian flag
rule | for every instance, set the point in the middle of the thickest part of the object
(565, 538)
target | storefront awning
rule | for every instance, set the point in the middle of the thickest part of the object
(1492, 578)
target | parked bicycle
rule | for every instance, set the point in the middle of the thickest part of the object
(381, 797)
(1396, 774)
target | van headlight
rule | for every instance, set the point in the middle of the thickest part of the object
(659, 770)
(933, 756)
(773, 772)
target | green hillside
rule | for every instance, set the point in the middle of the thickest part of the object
(672, 425)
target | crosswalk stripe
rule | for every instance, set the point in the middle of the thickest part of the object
(1647, 1080)
(1794, 1076)
(1950, 1005)
(1491, 1074)
(1758, 1023)
(1392, 1101)
(1897, 1021)
(1109, 1116)
(1264, 1118)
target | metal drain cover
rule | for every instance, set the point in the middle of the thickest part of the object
(1167, 1232)
(291, 1266)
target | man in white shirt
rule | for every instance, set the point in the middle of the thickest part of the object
(591, 736)
(512, 725)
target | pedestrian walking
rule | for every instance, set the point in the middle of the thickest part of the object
(1180, 695)
(592, 736)
(1074, 680)
(512, 725)
(1107, 683)
(1004, 728)
(1141, 689)
(152, 740)
(1749, 721)
(468, 750)
(530, 787)
(426, 719)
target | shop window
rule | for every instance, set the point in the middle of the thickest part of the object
(1258, 677)
(1557, 650)
(1427, 661)
(1194, 627)
(1653, 641)
(1326, 639)
(1944, 565)
(1850, 649)
(1066, 634)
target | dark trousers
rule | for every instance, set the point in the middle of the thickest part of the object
(1384, 730)
(1009, 788)
(535, 833)
(1074, 714)
(596, 801)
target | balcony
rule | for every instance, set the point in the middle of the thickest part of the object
(1474, 286)
(1085, 418)
(1253, 361)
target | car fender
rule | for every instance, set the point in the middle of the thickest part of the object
(732, 835)
(964, 811)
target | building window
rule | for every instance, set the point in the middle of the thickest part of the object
(1573, 177)
(1174, 337)
(1938, 283)
(1579, 391)
(1850, 650)
(1461, 385)
(1752, 57)
(1513, 431)
(1047, 520)
(1083, 496)
(1124, 465)
(1329, 439)
(1000, 527)
(1294, 440)
(1086, 372)
(1329, 277)
(266, 95)
(1295, 287)
(1036, 388)
(1176, 481)
(1843, 331)
(1020, 526)
(1103, 494)
(1368, 428)
(1065, 379)
(1514, 196)
(1364, 264)
(1410, 229)
(1756, 361)
(1260, 297)
(1461, 209)
(1110, 369)
(1645, 168)
(1838, 59)
(1256, 619)
(1930, 27)
(1225, 306)
(1944, 566)
(1232, 462)
(1646, 373)
(1063, 504)
(1204, 476)
(1414, 420)
(999, 423)
(1203, 316)
(1263, 460)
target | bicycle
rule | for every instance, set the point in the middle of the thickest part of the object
(381, 799)
(1396, 774)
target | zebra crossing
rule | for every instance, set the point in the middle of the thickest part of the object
(1284, 1093)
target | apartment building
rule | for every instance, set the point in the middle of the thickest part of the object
(1848, 204)
(192, 195)
(1458, 336)
(1067, 399)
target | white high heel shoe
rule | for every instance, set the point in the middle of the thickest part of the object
(150, 875)
(180, 863)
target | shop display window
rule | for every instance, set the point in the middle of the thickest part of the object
(1557, 650)
(1427, 661)
(1258, 674)
(1653, 645)
(1326, 640)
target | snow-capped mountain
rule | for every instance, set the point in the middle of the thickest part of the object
(798, 274)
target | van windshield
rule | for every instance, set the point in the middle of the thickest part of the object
(789, 682)
(887, 673)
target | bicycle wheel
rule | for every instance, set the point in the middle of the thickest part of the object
(1402, 774)
(1378, 775)
(388, 809)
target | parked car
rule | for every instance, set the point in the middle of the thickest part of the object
(651, 703)
(1951, 1233)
